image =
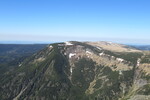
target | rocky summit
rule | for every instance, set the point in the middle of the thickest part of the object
(79, 71)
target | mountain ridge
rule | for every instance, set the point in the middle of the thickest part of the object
(79, 71)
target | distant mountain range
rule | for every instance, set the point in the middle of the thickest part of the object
(74, 71)
(142, 47)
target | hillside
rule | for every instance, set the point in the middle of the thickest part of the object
(12, 55)
(142, 47)
(80, 71)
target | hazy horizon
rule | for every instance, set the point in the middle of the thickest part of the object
(49, 42)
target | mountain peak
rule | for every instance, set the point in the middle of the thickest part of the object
(79, 71)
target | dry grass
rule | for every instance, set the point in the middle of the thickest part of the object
(145, 67)
(113, 47)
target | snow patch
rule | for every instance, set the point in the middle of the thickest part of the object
(120, 59)
(72, 54)
(101, 54)
(68, 43)
(110, 42)
(138, 62)
(60, 44)
(112, 57)
(88, 52)
(51, 46)
(120, 72)
(65, 53)
(20, 65)
(71, 70)
(99, 48)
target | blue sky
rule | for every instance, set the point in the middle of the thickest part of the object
(123, 21)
